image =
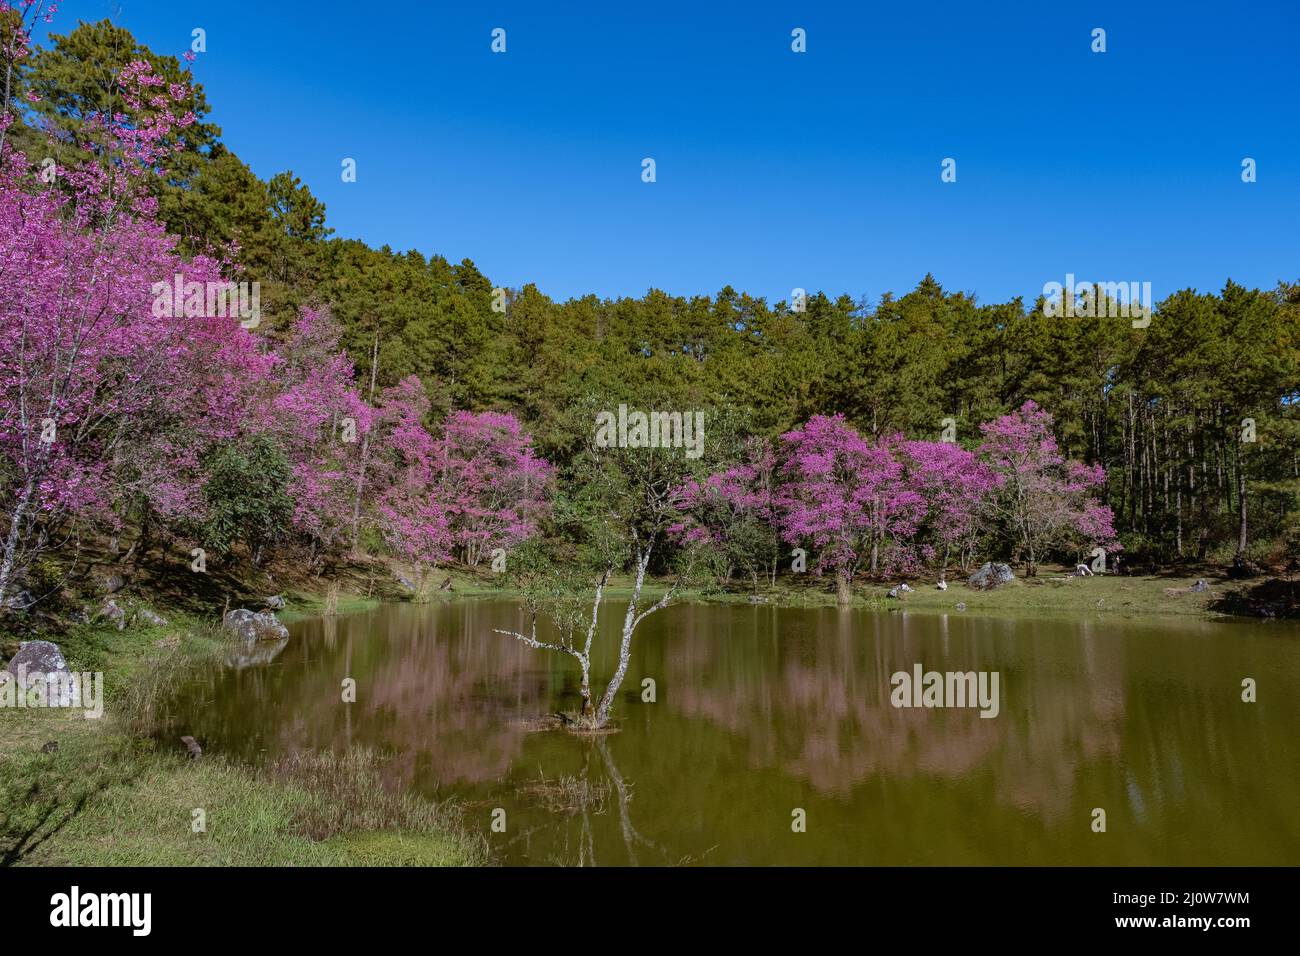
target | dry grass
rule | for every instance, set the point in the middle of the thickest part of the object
(569, 794)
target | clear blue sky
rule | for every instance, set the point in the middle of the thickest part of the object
(775, 169)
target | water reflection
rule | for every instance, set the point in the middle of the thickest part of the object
(761, 710)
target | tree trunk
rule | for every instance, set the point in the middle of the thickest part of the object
(365, 448)
(843, 588)
(1241, 503)
(585, 688)
(630, 621)
(11, 541)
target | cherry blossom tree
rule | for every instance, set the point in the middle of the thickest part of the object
(735, 513)
(412, 518)
(1044, 501)
(90, 373)
(845, 496)
(489, 482)
(322, 423)
(956, 487)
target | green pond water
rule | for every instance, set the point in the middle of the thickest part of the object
(763, 711)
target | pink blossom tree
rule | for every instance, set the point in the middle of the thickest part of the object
(1044, 500)
(956, 487)
(735, 513)
(411, 517)
(489, 482)
(845, 496)
(322, 423)
(91, 375)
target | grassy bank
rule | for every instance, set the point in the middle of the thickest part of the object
(112, 795)
(1052, 590)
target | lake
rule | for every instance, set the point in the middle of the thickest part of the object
(760, 712)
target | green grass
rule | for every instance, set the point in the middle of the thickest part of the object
(1052, 590)
(111, 796)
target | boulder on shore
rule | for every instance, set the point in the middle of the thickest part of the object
(991, 575)
(254, 625)
(35, 657)
(275, 602)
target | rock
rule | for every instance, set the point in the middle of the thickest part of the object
(114, 613)
(20, 601)
(904, 588)
(893, 592)
(149, 619)
(51, 747)
(112, 582)
(445, 585)
(1082, 571)
(404, 583)
(276, 602)
(35, 657)
(942, 585)
(961, 605)
(991, 575)
(254, 626)
(1200, 585)
(193, 747)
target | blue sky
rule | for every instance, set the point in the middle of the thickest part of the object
(775, 169)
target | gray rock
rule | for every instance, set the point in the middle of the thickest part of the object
(1200, 585)
(34, 657)
(255, 626)
(991, 575)
(961, 605)
(404, 583)
(275, 601)
(112, 582)
(20, 601)
(112, 612)
(149, 619)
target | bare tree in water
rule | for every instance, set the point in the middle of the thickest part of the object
(618, 520)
